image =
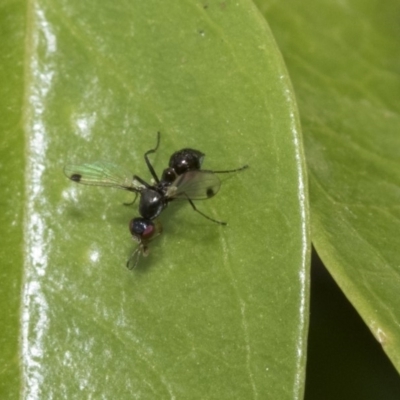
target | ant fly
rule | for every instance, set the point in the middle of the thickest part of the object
(182, 179)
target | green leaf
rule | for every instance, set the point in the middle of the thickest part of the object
(344, 62)
(12, 165)
(213, 312)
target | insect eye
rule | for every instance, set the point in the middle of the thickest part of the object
(141, 228)
(148, 232)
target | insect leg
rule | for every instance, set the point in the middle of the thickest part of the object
(140, 180)
(131, 203)
(204, 215)
(231, 170)
(148, 163)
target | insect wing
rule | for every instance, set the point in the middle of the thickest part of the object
(101, 173)
(133, 260)
(195, 185)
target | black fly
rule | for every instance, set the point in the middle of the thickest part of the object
(183, 179)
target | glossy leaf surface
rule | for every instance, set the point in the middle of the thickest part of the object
(213, 312)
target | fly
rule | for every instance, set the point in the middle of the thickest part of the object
(183, 179)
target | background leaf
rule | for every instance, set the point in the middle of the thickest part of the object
(12, 163)
(213, 312)
(344, 62)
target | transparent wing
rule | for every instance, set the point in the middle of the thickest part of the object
(195, 185)
(101, 173)
(133, 260)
